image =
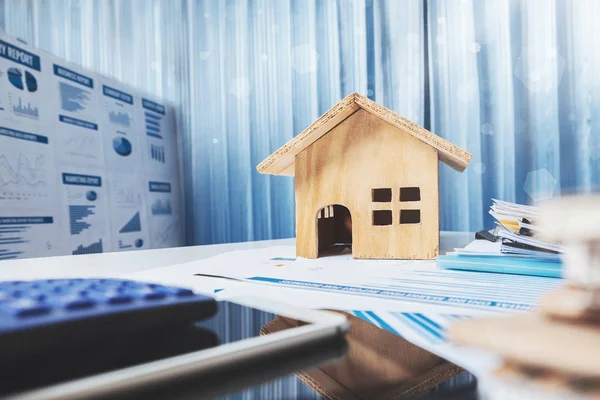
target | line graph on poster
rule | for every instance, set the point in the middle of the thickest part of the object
(23, 175)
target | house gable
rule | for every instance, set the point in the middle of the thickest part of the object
(281, 162)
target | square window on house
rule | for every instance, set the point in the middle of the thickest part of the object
(381, 195)
(410, 216)
(410, 194)
(382, 217)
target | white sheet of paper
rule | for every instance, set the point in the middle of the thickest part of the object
(343, 283)
(412, 299)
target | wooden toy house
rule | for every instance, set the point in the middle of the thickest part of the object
(366, 176)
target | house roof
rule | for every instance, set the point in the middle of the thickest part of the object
(282, 161)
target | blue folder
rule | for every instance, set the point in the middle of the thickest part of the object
(501, 264)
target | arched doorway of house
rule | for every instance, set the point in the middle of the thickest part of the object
(334, 230)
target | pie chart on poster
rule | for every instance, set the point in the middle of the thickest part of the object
(122, 146)
(91, 195)
(30, 81)
(15, 77)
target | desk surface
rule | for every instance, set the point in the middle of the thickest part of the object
(122, 263)
(116, 264)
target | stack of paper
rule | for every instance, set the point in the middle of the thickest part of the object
(519, 233)
(515, 246)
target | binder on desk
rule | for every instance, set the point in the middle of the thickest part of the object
(501, 264)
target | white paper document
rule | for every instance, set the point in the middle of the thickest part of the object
(384, 284)
(412, 299)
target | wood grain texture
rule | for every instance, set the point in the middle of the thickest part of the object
(360, 154)
(449, 154)
(281, 162)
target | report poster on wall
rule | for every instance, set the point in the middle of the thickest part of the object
(120, 130)
(85, 203)
(77, 150)
(128, 215)
(165, 224)
(23, 86)
(160, 157)
(78, 118)
(27, 177)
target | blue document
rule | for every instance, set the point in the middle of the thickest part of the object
(501, 264)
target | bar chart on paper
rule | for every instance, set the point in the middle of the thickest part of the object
(73, 98)
(153, 124)
(25, 236)
(78, 218)
(26, 110)
(157, 153)
(85, 199)
(162, 207)
(91, 249)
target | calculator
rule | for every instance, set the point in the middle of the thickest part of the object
(42, 316)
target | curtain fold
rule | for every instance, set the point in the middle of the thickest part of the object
(511, 81)
(266, 71)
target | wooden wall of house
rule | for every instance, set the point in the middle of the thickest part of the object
(362, 164)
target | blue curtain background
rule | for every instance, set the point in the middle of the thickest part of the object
(514, 82)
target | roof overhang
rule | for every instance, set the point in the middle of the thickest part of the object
(281, 162)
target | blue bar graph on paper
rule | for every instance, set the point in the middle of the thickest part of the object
(10, 256)
(153, 128)
(119, 118)
(73, 99)
(93, 248)
(157, 153)
(77, 216)
(26, 110)
(7, 237)
(16, 234)
(162, 207)
(153, 124)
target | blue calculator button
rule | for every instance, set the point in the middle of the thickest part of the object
(72, 302)
(155, 296)
(25, 308)
(80, 304)
(179, 292)
(120, 299)
(110, 297)
(134, 286)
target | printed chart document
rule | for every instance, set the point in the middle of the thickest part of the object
(26, 176)
(86, 204)
(80, 140)
(129, 225)
(120, 131)
(163, 214)
(412, 299)
(419, 283)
